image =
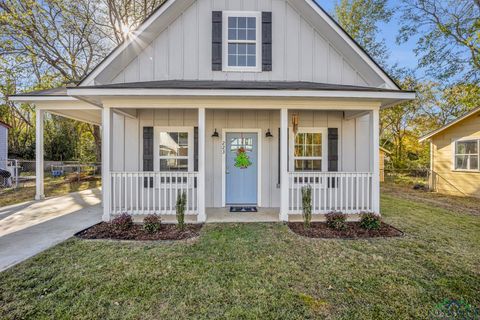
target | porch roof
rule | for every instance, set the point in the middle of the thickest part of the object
(237, 85)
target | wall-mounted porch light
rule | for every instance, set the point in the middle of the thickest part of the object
(268, 134)
(215, 134)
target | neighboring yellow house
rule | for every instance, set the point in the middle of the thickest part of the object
(383, 153)
(454, 156)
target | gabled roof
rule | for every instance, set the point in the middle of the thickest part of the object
(448, 125)
(140, 36)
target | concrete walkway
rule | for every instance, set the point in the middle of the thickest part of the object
(31, 227)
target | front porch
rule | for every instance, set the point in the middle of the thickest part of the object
(351, 189)
(328, 145)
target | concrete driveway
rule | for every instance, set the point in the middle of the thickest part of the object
(31, 227)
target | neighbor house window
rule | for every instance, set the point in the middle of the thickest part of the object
(467, 155)
(175, 149)
(242, 47)
(308, 150)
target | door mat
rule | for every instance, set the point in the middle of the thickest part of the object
(243, 209)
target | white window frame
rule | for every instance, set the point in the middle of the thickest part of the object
(258, 41)
(156, 146)
(454, 161)
(291, 144)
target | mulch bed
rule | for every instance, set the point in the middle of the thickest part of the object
(353, 231)
(105, 230)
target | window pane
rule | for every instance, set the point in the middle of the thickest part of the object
(467, 147)
(473, 162)
(298, 151)
(317, 138)
(317, 165)
(242, 22)
(232, 60)
(252, 49)
(251, 61)
(461, 162)
(308, 165)
(173, 165)
(232, 22)
(232, 34)
(173, 144)
(309, 138)
(252, 23)
(242, 34)
(242, 49)
(251, 35)
(317, 151)
(242, 61)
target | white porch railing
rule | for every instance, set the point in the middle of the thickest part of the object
(152, 192)
(347, 192)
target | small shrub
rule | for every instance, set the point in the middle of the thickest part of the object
(307, 205)
(152, 223)
(123, 222)
(370, 221)
(336, 220)
(180, 208)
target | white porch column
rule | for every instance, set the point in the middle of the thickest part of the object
(106, 161)
(202, 216)
(375, 166)
(39, 154)
(283, 164)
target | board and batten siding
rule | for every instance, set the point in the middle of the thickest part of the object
(183, 50)
(3, 147)
(354, 142)
(445, 178)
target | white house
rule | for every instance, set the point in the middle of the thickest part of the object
(202, 81)
(3, 145)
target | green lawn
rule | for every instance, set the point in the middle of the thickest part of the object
(53, 187)
(257, 271)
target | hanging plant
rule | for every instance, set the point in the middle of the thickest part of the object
(242, 160)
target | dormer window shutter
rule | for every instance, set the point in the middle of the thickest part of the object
(266, 41)
(217, 40)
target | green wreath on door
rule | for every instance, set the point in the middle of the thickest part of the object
(242, 159)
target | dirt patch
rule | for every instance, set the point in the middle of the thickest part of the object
(137, 232)
(353, 231)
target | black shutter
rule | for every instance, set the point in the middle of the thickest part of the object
(332, 149)
(195, 149)
(332, 155)
(148, 154)
(217, 40)
(266, 41)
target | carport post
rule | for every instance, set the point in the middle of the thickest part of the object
(106, 160)
(39, 154)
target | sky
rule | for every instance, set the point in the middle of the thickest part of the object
(402, 54)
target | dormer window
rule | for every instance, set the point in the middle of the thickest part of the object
(242, 41)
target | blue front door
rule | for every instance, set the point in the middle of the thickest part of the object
(241, 183)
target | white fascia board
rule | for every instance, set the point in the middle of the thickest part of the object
(353, 45)
(448, 125)
(20, 98)
(244, 93)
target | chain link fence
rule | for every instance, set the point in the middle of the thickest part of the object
(18, 174)
(415, 178)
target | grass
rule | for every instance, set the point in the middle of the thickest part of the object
(453, 203)
(53, 187)
(257, 271)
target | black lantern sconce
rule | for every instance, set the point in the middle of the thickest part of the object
(215, 134)
(268, 134)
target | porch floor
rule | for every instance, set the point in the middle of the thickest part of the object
(223, 215)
